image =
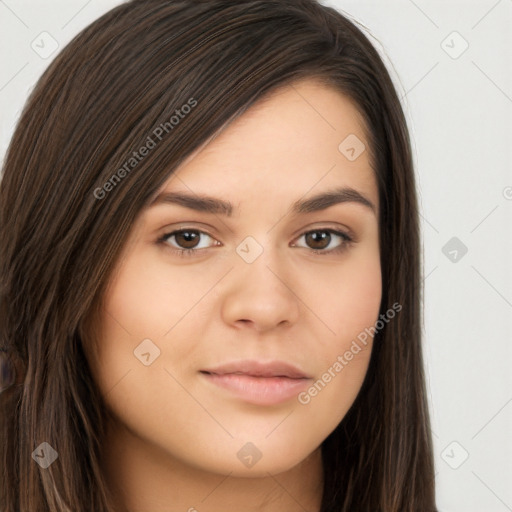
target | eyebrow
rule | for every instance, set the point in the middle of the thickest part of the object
(216, 206)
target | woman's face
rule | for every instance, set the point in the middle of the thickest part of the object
(238, 357)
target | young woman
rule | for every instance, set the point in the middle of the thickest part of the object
(210, 271)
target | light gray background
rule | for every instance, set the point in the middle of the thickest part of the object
(459, 107)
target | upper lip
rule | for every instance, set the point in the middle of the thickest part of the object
(259, 369)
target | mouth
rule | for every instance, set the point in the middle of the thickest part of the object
(259, 383)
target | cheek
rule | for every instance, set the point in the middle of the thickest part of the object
(351, 309)
(352, 294)
(147, 300)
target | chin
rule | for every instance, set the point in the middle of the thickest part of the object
(273, 460)
(260, 469)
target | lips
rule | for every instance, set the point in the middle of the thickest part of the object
(258, 383)
(259, 369)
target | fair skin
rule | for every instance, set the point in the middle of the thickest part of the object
(175, 439)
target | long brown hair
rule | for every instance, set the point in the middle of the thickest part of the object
(61, 233)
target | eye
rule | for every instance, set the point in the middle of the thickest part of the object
(320, 239)
(187, 240)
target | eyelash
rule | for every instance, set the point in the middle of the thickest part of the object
(347, 241)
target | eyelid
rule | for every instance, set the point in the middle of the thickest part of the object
(208, 230)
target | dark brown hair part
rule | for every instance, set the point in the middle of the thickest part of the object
(66, 210)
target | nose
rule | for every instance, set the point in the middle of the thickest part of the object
(260, 295)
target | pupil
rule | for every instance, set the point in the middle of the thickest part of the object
(190, 238)
(323, 236)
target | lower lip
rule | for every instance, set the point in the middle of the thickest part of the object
(259, 390)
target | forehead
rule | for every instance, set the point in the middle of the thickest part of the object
(302, 137)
